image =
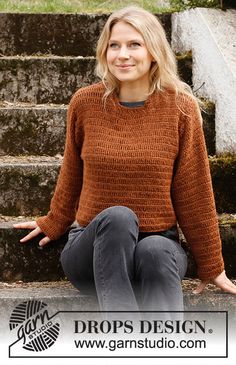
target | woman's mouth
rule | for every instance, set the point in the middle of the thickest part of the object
(125, 66)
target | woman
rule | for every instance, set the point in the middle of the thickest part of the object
(135, 163)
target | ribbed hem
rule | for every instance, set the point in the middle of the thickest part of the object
(48, 228)
(211, 274)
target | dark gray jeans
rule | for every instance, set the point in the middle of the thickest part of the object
(127, 269)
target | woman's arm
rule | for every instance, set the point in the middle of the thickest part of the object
(193, 200)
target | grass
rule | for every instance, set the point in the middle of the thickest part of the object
(98, 6)
(77, 6)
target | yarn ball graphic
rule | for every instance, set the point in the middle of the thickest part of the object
(45, 337)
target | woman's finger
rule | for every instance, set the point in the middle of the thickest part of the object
(227, 287)
(231, 284)
(36, 231)
(31, 235)
(223, 282)
(200, 287)
(44, 241)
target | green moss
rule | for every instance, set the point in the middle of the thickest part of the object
(180, 5)
(184, 56)
(227, 220)
(231, 223)
(223, 172)
(227, 162)
(208, 106)
(184, 62)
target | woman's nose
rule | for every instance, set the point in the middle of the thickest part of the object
(124, 53)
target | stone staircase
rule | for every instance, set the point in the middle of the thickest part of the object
(40, 68)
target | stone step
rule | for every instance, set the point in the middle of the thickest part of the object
(61, 296)
(17, 260)
(28, 129)
(32, 129)
(27, 184)
(52, 79)
(58, 296)
(211, 299)
(72, 35)
(44, 79)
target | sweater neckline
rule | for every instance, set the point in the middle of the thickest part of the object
(125, 108)
(133, 104)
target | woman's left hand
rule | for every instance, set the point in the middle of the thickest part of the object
(221, 281)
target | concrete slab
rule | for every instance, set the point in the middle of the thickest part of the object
(210, 34)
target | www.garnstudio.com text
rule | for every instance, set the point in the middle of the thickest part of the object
(146, 343)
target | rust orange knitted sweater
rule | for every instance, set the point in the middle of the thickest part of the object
(151, 159)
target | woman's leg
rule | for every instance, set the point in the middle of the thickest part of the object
(101, 256)
(160, 265)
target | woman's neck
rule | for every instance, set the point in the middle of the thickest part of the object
(132, 93)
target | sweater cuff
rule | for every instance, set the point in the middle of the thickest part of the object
(49, 228)
(211, 273)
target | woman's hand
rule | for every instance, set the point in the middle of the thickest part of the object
(36, 231)
(221, 281)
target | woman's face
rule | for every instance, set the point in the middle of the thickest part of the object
(127, 56)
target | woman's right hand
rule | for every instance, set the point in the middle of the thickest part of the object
(36, 231)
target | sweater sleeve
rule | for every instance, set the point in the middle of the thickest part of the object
(193, 197)
(64, 202)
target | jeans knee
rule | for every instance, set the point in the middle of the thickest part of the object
(153, 255)
(153, 247)
(119, 216)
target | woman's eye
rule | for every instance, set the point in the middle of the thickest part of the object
(113, 45)
(135, 44)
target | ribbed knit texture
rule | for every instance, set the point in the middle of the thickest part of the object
(152, 159)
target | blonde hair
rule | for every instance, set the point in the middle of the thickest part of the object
(163, 72)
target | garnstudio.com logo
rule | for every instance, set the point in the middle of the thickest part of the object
(33, 326)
